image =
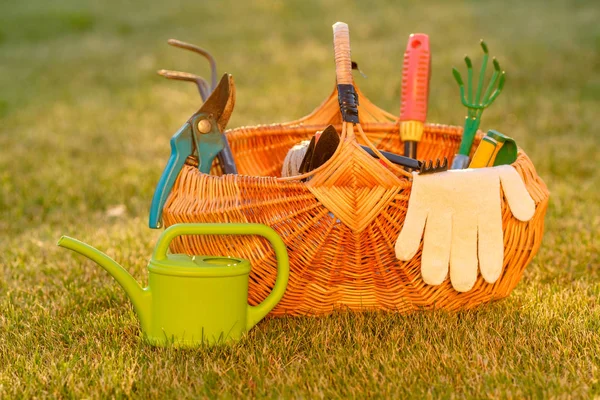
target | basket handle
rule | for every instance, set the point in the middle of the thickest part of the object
(348, 100)
(341, 49)
(347, 96)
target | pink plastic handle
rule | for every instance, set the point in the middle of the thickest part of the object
(415, 78)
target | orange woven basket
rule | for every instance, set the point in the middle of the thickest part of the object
(341, 225)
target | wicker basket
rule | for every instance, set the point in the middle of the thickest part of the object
(340, 226)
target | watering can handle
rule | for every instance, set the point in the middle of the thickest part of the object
(255, 313)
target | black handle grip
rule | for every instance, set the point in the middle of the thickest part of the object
(395, 158)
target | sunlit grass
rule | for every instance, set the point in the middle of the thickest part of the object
(84, 127)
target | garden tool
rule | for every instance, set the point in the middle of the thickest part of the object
(326, 145)
(299, 160)
(200, 135)
(486, 153)
(461, 214)
(347, 96)
(507, 153)
(225, 156)
(203, 87)
(348, 105)
(494, 149)
(423, 167)
(416, 73)
(323, 146)
(475, 106)
(305, 164)
(192, 300)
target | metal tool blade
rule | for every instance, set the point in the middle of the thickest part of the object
(221, 101)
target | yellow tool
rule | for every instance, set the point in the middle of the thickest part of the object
(488, 152)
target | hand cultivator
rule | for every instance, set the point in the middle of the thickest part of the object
(203, 87)
(475, 106)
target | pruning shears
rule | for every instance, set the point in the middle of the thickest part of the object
(202, 136)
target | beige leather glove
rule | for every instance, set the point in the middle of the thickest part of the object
(461, 213)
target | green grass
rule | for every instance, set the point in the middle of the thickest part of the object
(84, 127)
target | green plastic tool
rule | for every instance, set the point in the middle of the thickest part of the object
(475, 105)
(508, 152)
(494, 149)
(192, 300)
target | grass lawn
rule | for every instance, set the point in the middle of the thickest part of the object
(84, 128)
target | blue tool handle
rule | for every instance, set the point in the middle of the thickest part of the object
(181, 148)
(209, 145)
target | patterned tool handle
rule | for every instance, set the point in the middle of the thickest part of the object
(347, 96)
(341, 48)
(415, 78)
(415, 86)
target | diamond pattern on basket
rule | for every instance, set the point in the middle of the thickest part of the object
(355, 187)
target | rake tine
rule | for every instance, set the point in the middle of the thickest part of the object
(461, 86)
(488, 91)
(469, 78)
(426, 169)
(496, 64)
(202, 52)
(458, 78)
(499, 88)
(428, 166)
(482, 71)
(484, 46)
(200, 82)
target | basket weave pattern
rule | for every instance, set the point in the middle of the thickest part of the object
(332, 265)
(340, 226)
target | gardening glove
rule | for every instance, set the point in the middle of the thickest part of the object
(461, 213)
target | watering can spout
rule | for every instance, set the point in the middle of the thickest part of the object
(141, 298)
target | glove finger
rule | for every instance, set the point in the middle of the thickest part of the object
(463, 254)
(490, 241)
(519, 200)
(409, 239)
(436, 248)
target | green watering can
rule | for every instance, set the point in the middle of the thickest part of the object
(195, 299)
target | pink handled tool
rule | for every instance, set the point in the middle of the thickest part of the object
(416, 73)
